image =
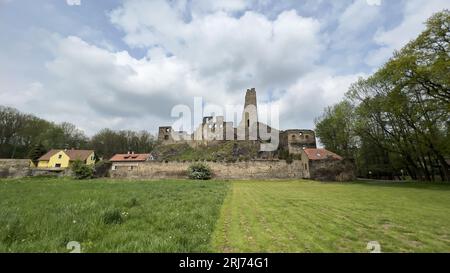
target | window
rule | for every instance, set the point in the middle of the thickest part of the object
(248, 123)
(166, 137)
(130, 168)
(59, 156)
(114, 167)
(58, 165)
(293, 137)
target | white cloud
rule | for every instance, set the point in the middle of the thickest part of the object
(307, 98)
(205, 6)
(28, 94)
(240, 52)
(212, 49)
(73, 2)
(373, 2)
(114, 84)
(415, 15)
(357, 17)
(95, 88)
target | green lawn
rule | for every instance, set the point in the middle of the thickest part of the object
(330, 217)
(43, 214)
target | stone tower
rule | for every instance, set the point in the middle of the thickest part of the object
(250, 97)
(165, 134)
(249, 121)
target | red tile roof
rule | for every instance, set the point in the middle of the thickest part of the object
(130, 157)
(78, 154)
(320, 154)
(72, 154)
(49, 154)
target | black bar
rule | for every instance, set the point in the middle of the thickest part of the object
(223, 262)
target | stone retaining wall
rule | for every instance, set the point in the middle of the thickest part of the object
(276, 169)
(14, 168)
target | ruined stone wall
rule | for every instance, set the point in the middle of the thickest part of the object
(295, 140)
(276, 169)
(14, 168)
(165, 134)
(332, 170)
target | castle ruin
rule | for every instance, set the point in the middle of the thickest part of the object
(216, 129)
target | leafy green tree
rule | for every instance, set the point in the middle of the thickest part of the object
(11, 121)
(398, 119)
(403, 108)
(108, 142)
(335, 129)
(36, 152)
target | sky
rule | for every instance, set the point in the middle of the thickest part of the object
(125, 64)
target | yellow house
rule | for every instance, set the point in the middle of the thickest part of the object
(63, 158)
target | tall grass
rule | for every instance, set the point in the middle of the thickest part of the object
(44, 214)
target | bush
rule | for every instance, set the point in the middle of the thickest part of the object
(82, 171)
(199, 171)
(111, 217)
(101, 169)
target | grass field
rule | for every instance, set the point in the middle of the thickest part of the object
(330, 217)
(44, 214)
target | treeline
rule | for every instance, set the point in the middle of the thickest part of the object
(396, 122)
(108, 142)
(27, 136)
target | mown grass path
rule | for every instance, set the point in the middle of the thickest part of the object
(302, 216)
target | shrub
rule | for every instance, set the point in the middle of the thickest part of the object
(82, 171)
(199, 171)
(101, 169)
(112, 217)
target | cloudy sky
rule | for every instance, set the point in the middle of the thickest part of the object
(125, 64)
